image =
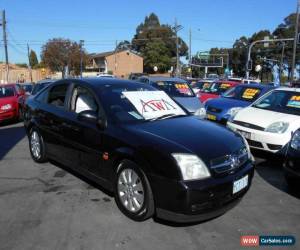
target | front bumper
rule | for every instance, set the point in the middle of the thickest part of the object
(7, 114)
(271, 142)
(192, 201)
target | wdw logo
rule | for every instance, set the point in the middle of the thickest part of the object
(255, 240)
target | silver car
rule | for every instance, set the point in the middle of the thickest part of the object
(179, 90)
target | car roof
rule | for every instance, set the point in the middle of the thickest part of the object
(8, 85)
(164, 78)
(256, 85)
(289, 89)
(47, 81)
(100, 83)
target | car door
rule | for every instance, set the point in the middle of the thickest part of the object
(86, 136)
(52, 115)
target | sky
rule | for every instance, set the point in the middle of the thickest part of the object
(214, 23)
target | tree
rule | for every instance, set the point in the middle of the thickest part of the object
(150, 31)
(123, 45)
(33, 61)
(59, 53)
(156, 54)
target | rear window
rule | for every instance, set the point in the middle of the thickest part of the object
(6, 91)
(175, 89)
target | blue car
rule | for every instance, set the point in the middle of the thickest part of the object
(241, 96)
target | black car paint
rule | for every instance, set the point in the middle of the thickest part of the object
(81, 145)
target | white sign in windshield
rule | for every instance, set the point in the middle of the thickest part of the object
(153, 104)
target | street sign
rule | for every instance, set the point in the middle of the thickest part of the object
(266, 44)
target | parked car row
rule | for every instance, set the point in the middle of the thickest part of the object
(144, 146)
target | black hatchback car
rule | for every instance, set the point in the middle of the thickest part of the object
(137, 142)
(292, 161)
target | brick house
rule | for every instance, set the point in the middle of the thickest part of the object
(119, 63)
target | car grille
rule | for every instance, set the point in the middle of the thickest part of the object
(215, 110)
(249, 125)
(230, 163)
(254, 144)
(274, 146)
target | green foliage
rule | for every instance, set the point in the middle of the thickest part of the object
(33, 61)
(58, 53)
(152, 34)
(157, 54)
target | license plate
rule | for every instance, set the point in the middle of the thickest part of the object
(211, 117)
(247, 135)
(240, 184)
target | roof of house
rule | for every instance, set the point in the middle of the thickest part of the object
(108, 53)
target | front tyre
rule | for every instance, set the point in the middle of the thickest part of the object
(37, 146)
(133, 193)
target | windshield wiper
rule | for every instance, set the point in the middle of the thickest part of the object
(165, 117)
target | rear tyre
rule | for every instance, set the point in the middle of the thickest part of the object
(133, 193)
(37, 146)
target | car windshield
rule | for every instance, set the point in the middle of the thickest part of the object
(127, 104)
(6, 91)
(27, 88)
(175, 89)
(243, 93)
(39, 86)
(287, 102)
(201, 85)
(218, 88)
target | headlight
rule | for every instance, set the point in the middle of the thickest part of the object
(201, 112)
(6, 107)
(191, 166)
(295, 142)
(232, 112)
(277, 127)
(250, 156)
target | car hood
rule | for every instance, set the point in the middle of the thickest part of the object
(226, 103)
(8, 100)
(188, 135)
(192, 104)
(263, 118)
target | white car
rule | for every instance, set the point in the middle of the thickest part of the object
(269, 122)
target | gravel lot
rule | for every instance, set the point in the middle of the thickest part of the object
(48, 207)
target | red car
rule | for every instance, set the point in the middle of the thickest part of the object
(11, 95)
(216, 89)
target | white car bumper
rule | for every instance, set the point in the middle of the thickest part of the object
(262, 140)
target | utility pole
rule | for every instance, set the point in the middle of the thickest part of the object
(5, 43)
(29, 64)
(190, 51)
(281, 60)
(81, 57)
(176, 29)
(295, 40)
(116, 57)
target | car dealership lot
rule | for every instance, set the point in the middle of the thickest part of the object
(48, 207)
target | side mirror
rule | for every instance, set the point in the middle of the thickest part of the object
(92, 116)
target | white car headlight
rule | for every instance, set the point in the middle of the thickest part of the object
(295, 142)
(233, 111)
(191, 166)
(6, 107)
(201, 112)
(277, 127)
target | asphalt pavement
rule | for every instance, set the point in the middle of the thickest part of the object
(46, 206)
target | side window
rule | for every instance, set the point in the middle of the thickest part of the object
(57, 95)
(82, 99)
(43, 96)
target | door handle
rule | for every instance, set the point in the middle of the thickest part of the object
(69, 126)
